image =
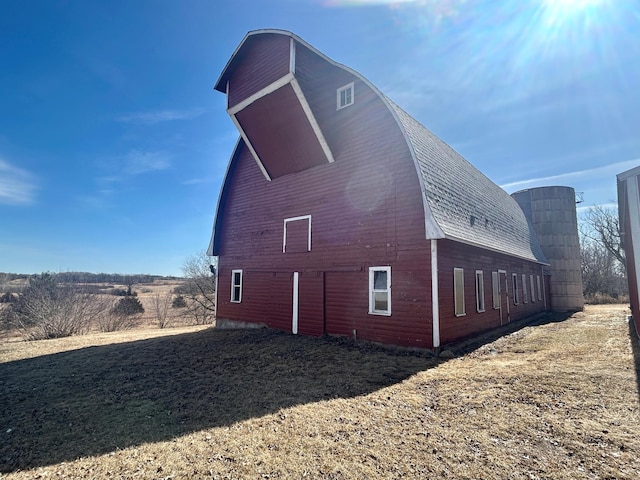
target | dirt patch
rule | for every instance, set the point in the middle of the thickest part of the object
(556, 400)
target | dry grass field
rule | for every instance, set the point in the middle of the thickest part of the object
(553, 400)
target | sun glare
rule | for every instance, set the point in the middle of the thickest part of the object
(559, 11)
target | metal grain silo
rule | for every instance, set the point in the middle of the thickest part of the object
(552, 213)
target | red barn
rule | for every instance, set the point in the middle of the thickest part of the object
(341, 214)
(629, 218)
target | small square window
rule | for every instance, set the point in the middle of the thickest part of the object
(345, 96)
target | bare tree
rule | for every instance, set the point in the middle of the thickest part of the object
(200, 287)
(601, 225)
(603, 261)
(160, 307)
(46, 309)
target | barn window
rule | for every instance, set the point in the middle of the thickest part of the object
(380, 290)
(480, 291)
(539, 289)
(516, 300)
(524, 289)
(495, 286)
(533, 288)
(345, 96)
(458, 291)
(296, 237)
(236, 286)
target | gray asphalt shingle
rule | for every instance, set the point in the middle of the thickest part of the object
(466, 204)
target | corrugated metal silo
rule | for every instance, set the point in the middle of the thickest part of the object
(552, 213)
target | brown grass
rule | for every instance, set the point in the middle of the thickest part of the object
(555, 400)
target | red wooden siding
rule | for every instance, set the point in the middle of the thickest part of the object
(281, 134)
(264, 62)
(456, 255)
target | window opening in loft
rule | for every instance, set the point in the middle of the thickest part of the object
(380, 290)
(345, 96)
(480, 291)
(458, 291)
(236, 286)
(296, 236)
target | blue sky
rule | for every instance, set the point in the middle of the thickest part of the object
(113, 143)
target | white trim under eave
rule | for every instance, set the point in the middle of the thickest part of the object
(312, 120)
(250, 147)
(435, 300)
(292, 56)
(272, 87)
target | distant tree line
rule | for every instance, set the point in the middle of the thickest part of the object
(86, 277)
(51, 305)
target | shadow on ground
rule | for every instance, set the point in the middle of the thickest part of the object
(95, 400)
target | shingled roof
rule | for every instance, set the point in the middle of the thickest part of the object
(466, 205)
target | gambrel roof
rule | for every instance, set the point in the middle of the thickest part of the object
(466, 205)
(460, 203)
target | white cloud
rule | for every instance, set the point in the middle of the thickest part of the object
(137, 162)
(17, 186)
(196, 181)
(157, 116)
(607, 171)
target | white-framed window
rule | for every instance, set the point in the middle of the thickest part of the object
(236, 286)
(514, 279)
(533, 288)
(458, 291)
(525, 299)
(539, 288)
(479, 291)
(296, 236)
(380, 290)
(495, 287)
(345, 96)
